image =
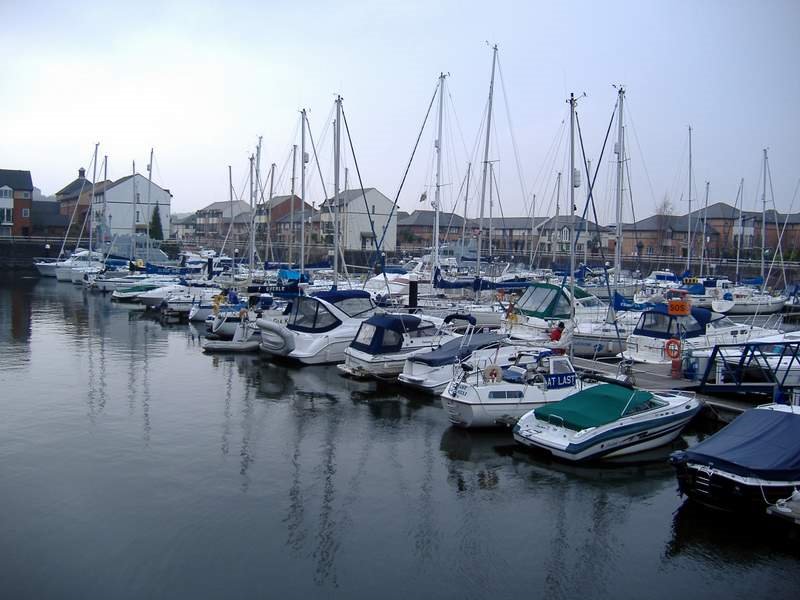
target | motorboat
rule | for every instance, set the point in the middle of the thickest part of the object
(430, 372)
(385, 341)
(745, 300)
(319, 327)
(749, 465)
(662, 335)
(156, 296)
(482, 397)
(607, 420)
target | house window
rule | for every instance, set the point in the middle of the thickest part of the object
(373, 209)
(6, 216)
(138, 218)
(650, 251)
(565, 234)
(138, 199)
(26, 195)
(26, 213)
(5, 193)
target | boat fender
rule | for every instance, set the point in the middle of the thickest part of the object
(492, 373)
(279, 340)
(672, 348)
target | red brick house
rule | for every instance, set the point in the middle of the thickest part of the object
(16, 191)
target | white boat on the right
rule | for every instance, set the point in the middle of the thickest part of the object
(748, 301)
(607, 420)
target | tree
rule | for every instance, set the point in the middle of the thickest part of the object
(156, 232)
(664, 212)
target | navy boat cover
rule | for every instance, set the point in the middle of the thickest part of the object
(456, 350)
(759, 443)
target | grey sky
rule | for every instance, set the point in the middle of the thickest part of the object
(201, 83)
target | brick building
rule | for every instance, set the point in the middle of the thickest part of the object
(16, 190)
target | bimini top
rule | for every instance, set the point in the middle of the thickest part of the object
(759, 443)
(596, 406)
(382, 334)
(457, 350)
(658, 323)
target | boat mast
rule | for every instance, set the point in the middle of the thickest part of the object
(250, 248)
(689, 226)
(337, 134)
(291, 205)
(572, 102)
(764, 217)
(485, 162)
(620, 179)
(585, 222)
(133, 213)
(269, 213)
(230, 205)
(491, 209)
(106, 224)
(437, 192)
(149, 216)
(740, 202)
(91, 202)
(303, 161)
(555, 223)
(703, 240)
(464, 224)
(255, 207)
(533, 231)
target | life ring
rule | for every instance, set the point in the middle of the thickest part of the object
(672, 348)
(492, 373)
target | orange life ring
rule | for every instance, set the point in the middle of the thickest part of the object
(672, 348)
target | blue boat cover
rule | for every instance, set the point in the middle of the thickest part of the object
(753, 280)
(658, 323)
(398, 323)
(334, 296)
(456, 350)
(759, 443)
(697, 289)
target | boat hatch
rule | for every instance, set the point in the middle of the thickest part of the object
(311, 316)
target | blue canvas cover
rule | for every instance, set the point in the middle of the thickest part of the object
(759, 443)
(456, 350)
(398, 323)
(652, 326)
(334, 296)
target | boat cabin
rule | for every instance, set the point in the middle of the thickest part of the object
(324, 311)
(659, 323)
(383, 334)
(551, 370)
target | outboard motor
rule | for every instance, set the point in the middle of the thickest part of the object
(210, 267)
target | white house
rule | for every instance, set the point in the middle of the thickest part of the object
(356, 211)
(128, 204)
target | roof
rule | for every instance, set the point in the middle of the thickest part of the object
(16, 180)
(347, 196)
(425, 218)
(187, 219)
(758, 443)
(109, 185)
(679, 223)
(567, 220)
(74, 188)
(226, 206)
(593, 407)
(296, 217)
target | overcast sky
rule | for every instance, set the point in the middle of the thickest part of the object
(199, 82)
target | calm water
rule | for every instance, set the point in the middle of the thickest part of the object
(134, 466)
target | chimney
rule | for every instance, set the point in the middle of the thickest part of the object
(81, 173)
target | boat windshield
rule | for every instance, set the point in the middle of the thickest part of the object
(309, 315)
(722, 323)
(377, 340)
(356, 307)
(539, 299)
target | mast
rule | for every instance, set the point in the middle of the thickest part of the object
(133, 213)
(740, 202)
(620, 179)
(485, 161)
(149, 216)
(533, 231)
(91, 202)
(464, 224)
(491, 209)
(703, 240)
(572, 102)
(269, 212)
(585, 222)
(555, 223)
(106, 224)
(291, 206)
(437, 193)
(255, 207)
(303, 161)
(337, 134)
(764, 216)
(250, 248)
(230, 205)
(689, 226)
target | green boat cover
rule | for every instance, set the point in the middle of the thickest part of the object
(595, 406)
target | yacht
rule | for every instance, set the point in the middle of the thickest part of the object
(482, 397)
(607, 420)
(319, 327)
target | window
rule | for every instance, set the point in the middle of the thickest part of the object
(26, 213)
(6, 216)
(355, 306)
(373, 209)
(5, 193)
(26, 195)
(138, 217)
(365, 334)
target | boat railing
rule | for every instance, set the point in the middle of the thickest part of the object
(738, 367)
